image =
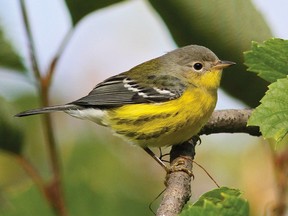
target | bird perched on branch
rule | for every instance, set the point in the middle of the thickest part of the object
(161, 102)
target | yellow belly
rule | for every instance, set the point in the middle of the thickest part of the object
(164, 124)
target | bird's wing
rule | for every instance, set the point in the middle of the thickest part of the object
(120, 90)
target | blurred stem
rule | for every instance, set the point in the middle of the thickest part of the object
(53, 189)
(51, 69)
(280, 162)
(30, 41)
(31, 172)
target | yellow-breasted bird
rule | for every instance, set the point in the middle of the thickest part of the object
(161, 102)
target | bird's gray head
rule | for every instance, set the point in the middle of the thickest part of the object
(193, 56)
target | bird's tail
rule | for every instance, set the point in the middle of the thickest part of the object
(48, 110)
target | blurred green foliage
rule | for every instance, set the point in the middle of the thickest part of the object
(9, 57)
(11, 135)
(28, 202)
(96, 181)
(79, 8)
(226, 27)
(108, 185)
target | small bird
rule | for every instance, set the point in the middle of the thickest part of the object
(161, 102)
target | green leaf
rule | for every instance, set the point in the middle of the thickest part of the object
(269, 60)
(226, 28)
(221, 202)
(24, 202)
(80, 8)
(11, 136)
(272, 115)
(9, 58)
(109, 189)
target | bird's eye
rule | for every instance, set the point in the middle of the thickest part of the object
(198, 66)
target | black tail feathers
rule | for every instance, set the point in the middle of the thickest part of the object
(47, 110)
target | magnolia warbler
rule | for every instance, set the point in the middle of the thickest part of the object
(161, 102)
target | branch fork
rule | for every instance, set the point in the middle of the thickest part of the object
(178, 180)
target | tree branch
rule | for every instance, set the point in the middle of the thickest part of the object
(230, 121)
(178, 182)
(178, 188)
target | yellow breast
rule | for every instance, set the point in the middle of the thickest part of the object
(164, 124)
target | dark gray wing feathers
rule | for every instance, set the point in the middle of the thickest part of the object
(120, 90)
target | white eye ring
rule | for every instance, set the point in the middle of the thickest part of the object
(198, 66)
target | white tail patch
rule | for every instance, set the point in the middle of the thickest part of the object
(96, 115)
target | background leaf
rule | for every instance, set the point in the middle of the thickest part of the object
(226, 28)
(11, 136)
(221, 201)
(272, 115)
(22, 203)
(269, 60)
(96, 182)
(9, 58)
(80, 8)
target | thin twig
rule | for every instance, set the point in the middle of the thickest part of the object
(48, 191)
(54, 191)
(55, 187)
(207, 173)
(54, 61)
(30, 41)
(31, 172)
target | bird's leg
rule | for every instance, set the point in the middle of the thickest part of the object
(178, 166)
(182, 156)
(181, 161)
(161, 156)
(158, 160)
(195, 140)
